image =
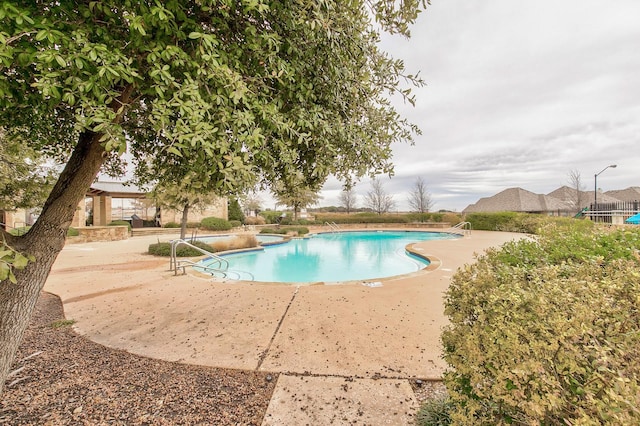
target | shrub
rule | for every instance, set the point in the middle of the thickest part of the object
(435, 412)
(270, 216)
(215, 224)
(547, 331)
(164, 249)
(299, 230)
(424, 217)
(235, 223)
(120, 223)
(451, 218)
(240, 241)
(490, 221)
(235, 211)
(254, 220)
(20, 230)
(362, 218)
(72, 232)
(171, 225)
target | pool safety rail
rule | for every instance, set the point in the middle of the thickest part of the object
(218, 267)
(333, 226)
(462, 228)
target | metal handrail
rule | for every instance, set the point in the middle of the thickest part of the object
(462, 228)
(224, 263)
(334, 227)
(173, 263)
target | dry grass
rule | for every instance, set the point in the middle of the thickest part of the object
(238, 242)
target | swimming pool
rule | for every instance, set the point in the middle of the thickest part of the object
(334, 257)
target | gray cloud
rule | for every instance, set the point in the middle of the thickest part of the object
(518, 94)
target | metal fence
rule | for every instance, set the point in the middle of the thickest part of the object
(604, 212)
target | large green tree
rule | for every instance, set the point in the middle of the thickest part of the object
(235, 91)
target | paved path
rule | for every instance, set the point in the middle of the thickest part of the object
(344, 352)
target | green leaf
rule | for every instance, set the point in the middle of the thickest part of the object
(60, 60)
(20, 261)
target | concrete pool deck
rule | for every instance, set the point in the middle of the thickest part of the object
(344, 353)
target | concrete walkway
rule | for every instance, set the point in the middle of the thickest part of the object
(345, 353)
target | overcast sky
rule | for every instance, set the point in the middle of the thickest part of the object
(518, 94)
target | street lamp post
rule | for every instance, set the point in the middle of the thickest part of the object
(595, 185)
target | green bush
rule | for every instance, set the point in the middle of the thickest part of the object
(171, 225)
(491, 221)
(425, 217)
(164, 249)
(235, 223)
(547, 330)
(215, 224)
(361, 218)
(270, 216)
(19, 231)
(238, 242)
(435, 412)
(120, 223)
(72, 232)
(235, 211)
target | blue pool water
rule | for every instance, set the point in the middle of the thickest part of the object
(333, 257)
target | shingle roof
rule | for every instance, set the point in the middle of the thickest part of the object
(517, 200)
(568, 195)
(630, 194)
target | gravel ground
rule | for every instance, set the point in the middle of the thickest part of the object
(61, 378)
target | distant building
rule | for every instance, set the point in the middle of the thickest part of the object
(613, 206)
(630, 194)
(582, 199)
(109, 201)
(520, 200)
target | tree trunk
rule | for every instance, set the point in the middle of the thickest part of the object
(44, 241)
(183, 221)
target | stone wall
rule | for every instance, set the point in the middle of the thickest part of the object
(100, 233)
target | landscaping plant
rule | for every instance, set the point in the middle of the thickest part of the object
(547, 331)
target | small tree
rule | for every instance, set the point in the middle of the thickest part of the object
(575, 182)
(182, 198)
(235, 211)
(251, 202)
(348, 199)
(377, 199)
(419, 198)
(293, 193)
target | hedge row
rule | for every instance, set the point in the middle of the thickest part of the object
(451, 218)
(238, 242)
(547, 331)
(300, 230)
(215, 224)
(519, 222)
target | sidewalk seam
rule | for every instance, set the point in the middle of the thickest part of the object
(264, 354)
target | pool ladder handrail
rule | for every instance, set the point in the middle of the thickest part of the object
(176, 264)
(462, 228)
(334, 227)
